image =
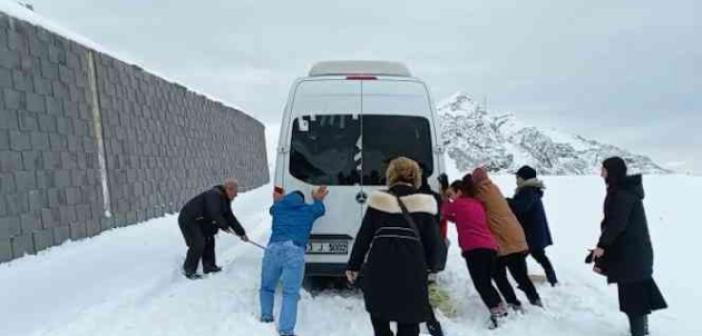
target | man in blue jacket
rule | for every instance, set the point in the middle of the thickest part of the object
(285, 254)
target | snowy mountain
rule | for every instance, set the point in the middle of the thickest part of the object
(501, 143)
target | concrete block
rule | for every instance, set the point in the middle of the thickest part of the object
(25, 180)
(48, 218)
(32, 160)
(51, 160)
(35, 103)
(22, 245)
(64, 125)
(93, 228)
(20, 141)
(37, 200)
(7, 183)
(9, 119)
(45, 179)
(4, 140)
(74, 196)
(39, 140)
(5, 78)
(42, 86)
(47, 123)
(21, 81)
(8, 58)
(75, 143)
(61, 234)
(67, 214)
(16, 203)
(52, 196)
(53, 106)
(62, 178)
(43, 239)
(49, 70)
(5, 250)
(68, 160)
(78, 231)
(58, 142)
(9, 227)
(27, 122)
(30, 222)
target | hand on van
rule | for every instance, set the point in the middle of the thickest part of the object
(320, 193)
(277, 195)
(351, 276)
(443, 181)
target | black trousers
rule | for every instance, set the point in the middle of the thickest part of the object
(516, 263)
(382, 328)
(200, 246)
(542, 259)
(481, 266)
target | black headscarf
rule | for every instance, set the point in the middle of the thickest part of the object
(616, 170)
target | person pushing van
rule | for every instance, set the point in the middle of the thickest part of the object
(285, 254)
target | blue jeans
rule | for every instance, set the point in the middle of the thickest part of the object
(286, 260)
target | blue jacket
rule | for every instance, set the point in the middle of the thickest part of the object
(293, 218)
(529, 209)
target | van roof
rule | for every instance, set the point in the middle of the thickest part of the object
(341, 68)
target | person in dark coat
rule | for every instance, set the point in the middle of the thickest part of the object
(200, 220)
(529, 209)
(624, 250)
(433, 324)
(399, 253)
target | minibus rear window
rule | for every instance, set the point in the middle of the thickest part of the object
(386, 137)
(325, 149)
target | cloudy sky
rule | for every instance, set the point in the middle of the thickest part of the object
(623, 72)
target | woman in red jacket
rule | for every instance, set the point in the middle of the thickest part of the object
(477, 243)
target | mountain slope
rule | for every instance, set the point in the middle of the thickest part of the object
(473, 137)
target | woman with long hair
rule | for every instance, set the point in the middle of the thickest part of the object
(624, 252)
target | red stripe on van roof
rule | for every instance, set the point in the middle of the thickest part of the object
(361, 77)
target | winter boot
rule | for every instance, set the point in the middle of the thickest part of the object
(193, 276)
(537, 303)
(517, 308)
(434, 328)
(637, 325)
(496, 319)
(497, 314)
(267, 320)
(212, 269)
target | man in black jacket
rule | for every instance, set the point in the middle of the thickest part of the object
(199, 221)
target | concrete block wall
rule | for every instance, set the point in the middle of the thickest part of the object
(161, 143)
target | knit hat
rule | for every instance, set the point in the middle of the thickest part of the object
(526, 173)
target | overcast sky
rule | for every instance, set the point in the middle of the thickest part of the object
(623, 72)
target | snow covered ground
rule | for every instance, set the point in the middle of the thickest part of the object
(127, 282)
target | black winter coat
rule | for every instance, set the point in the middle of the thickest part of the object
(396, 267)
(212, 210)
(625, 238)
(529, 209)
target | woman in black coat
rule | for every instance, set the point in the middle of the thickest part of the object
(397, 257)
(529, 209)
(624, 252)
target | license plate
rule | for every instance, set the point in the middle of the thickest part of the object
(328, 247)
